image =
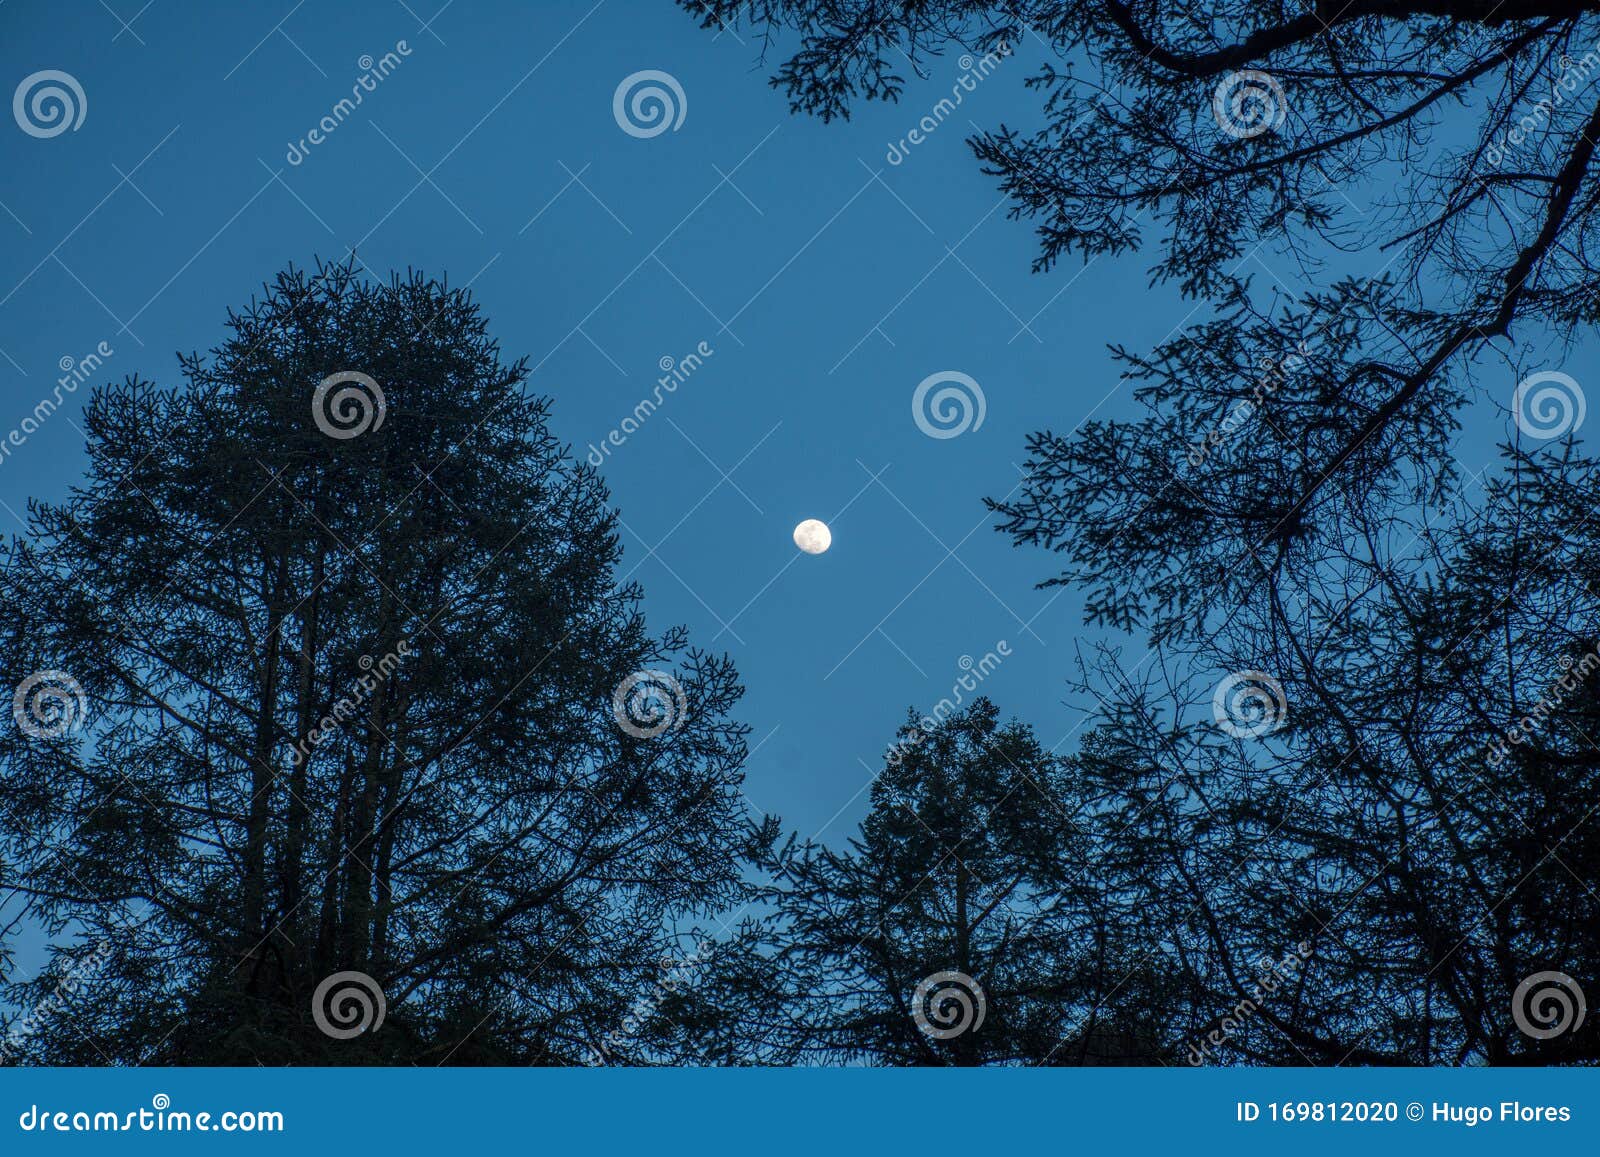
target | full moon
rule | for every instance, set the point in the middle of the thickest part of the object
(813, 536)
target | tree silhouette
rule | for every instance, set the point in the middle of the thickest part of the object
(1400, 777)
(961, 927)
(359, 692)
(1351, 798)
(1213, 133)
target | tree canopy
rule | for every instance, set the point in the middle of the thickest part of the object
(967, 923)
(1345, 795)
(339, 739)
(337, 624)
(1199, 136)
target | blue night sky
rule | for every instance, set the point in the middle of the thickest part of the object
(826, 281)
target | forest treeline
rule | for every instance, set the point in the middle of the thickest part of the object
(339, 740)
(325, 755)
